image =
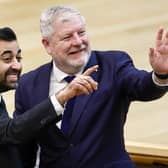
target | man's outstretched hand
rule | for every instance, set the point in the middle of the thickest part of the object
(159, 55)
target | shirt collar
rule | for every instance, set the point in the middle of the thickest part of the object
(60, 75)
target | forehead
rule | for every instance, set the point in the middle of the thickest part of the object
(9, 45)
(70, 24)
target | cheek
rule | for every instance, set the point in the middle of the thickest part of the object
(4, 68)
(1, 75)
(86, 42)
(62, 49)
(85, 39)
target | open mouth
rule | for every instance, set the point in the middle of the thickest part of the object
(76, 52)
(12, 77)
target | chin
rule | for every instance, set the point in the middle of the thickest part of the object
(79, 63)
(12, 85)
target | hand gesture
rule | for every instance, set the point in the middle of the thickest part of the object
(159, 56)
(81, 84)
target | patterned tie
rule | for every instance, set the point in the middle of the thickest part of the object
(3, 110)
(68, 110)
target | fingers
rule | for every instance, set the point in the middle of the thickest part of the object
(159, 37)
(159, 34)
(151, 52)
(166, 39)
(161, 43)
(81, 84)
(87, 84)
(82, 89)
(152, 56)
(90, 70)
(84, 84)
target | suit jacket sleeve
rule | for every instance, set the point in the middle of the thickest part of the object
(26, 126)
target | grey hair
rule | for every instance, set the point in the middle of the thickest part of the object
(50, 15)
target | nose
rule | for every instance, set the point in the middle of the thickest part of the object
(77, 41)
(16, 64)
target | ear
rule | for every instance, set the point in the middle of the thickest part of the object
(46, 45)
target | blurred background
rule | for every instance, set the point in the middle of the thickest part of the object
(128, 25)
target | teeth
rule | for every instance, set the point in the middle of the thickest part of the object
(75, 51)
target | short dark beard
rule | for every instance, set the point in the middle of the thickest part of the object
(5, 88)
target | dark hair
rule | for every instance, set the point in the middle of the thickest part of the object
(7, 34)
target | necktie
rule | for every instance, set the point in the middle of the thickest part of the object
(3, 110)
(68, 110)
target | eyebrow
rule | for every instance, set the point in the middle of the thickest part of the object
(9, 51)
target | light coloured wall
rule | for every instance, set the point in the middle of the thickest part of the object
(128, 25)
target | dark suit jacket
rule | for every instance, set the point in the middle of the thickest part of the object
(95, 138)
(22, 129)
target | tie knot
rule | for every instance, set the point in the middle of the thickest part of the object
(69, 78)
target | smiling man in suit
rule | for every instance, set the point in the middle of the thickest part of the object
(94, 135)
(23, 128)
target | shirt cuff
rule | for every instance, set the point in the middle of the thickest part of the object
(158, 81)
(57, 106)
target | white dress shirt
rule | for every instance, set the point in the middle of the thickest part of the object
(57, 83)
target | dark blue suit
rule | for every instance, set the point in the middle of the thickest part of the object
(22, 129)
(96, 132)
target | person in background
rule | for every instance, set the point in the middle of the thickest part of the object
(94, 135)
(24, 127)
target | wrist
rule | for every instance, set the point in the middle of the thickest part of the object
(61, 97)
(158, 81)
(161, 76)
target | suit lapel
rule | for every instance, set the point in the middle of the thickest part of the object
(42, 89)
(81, 101)
(3, 110)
